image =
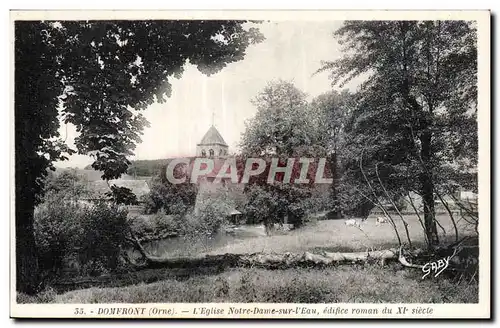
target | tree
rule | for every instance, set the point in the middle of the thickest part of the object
(173, 199)
(263, 206)
(67, 183)
(121, 196)
(419, 91)
(284, 124)
(101, 73)
(89, 237)
(284, 127)
(331, 111)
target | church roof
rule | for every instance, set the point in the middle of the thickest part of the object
(212, 137)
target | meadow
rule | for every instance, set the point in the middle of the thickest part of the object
(368, 283)
(328, 235)
(344, 284)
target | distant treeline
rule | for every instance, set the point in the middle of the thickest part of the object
(143, 167)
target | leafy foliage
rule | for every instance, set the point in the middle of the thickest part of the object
(271, 204)
(100, 74)
(169, 223)
(122, 196)
(68, 183)
(285, 126)
(261, 206)
(419, 91)
(85, 239)
(207, 219)
(105, 228)
(332, 110)
(174, 199)
(56, 228)
(155, 227)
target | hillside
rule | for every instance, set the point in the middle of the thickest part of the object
(143, 167)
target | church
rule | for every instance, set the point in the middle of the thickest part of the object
(213, 146)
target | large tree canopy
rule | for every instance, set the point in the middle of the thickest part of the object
(331, 111)
(416, 115)
(101, 73)
(285, 126)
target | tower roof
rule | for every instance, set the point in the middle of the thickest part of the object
(213, 137)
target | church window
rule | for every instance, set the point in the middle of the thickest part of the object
(220, 152)
(211, 152)
(203, 153)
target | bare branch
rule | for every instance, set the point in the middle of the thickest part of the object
(377, 199)
(418, 216)
(404, 262)
(393, 204)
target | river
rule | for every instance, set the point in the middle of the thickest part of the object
(189, 246)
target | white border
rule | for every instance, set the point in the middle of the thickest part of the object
(480, 310)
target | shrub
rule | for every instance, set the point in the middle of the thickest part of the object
(171, 198)
(207, 219)
(272, 203)
(142, 226)
(166, 223)
(104, 230)
(57, 227)
(156, 226)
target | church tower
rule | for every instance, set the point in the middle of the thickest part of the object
(212, 145)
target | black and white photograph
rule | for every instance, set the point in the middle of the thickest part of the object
(250, 164)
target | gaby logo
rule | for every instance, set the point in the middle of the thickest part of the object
(291, 170)
(438, 266)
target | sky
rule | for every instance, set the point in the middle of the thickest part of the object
(292, 51)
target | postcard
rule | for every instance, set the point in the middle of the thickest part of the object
(250, 164)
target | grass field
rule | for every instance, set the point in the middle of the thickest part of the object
(331, 235)
(334, 235)
(361, 283)
(345, 284)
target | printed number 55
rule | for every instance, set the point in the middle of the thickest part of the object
(79, 311)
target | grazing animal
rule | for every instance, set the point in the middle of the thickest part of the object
(352, 222)
(381, 220)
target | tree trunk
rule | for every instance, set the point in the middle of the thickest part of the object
(428, 190)
(263, 260)
(27, 275)
(336, 213)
